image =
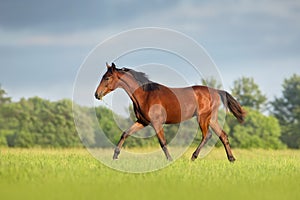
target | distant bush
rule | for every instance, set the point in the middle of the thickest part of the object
(258, 131)
(36, 122)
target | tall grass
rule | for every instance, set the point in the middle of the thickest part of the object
(75, 174)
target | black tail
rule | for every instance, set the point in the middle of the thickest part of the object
(233, 105)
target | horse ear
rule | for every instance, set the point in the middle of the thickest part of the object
(113, 65)
(107, 65)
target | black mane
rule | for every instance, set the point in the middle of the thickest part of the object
(142, 80)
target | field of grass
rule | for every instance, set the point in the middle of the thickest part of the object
(75, 174)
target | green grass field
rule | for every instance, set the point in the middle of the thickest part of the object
(75, 174)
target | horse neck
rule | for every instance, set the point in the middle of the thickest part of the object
(132, 88)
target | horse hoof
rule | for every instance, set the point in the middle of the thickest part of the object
(116, 154)
(115, 157)
(193, 158)
(170, 159)
(231, 159)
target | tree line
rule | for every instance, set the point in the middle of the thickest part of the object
(36, 122)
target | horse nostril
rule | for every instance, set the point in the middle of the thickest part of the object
(96, 95)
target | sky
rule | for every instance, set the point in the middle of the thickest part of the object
(44, 43)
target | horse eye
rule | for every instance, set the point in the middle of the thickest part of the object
(106, 78)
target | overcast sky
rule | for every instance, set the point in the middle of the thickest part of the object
(43, 43)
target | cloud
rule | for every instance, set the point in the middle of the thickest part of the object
(234, 24)
(55, 36)
(60, 16)
(31, 38)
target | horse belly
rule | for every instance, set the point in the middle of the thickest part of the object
(173, 105)
(180, 112)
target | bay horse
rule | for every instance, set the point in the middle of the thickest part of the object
(155, 104)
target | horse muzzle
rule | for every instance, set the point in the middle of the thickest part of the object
(99, 95)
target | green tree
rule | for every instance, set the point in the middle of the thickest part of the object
(36, 122)
(287, 110)
(248, 93)
(23, 139)
(3, 98)
(258, 131)
(212, 82)
(108, 125)
(3, 141)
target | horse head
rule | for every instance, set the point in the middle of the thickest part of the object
(108, 83)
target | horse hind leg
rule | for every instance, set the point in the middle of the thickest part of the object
(206, 135)
(224, 139)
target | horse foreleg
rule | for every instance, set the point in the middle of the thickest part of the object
(162, 141)
(134, 128)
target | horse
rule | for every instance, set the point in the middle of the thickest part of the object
(155, 104)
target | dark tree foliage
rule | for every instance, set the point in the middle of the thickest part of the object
(287, 110)
(3, 98)
(258, 131)
(248, 93)
(37, 122)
